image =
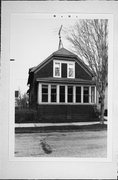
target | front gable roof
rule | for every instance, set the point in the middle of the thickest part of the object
(62, 53)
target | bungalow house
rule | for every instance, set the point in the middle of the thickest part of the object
(62, 89)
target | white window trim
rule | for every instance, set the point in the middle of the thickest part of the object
(73, 63)
(66, 94)
(56, 61)
(56, 93)
(66, 62)
(81, 93)
(41, 93)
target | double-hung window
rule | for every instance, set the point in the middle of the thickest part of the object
(62, 94)
(64, 69)
(44, 93)
(53, 93)
(57, 69)
(70, 94)
(78, 94)
(86, 95)
(71, 70)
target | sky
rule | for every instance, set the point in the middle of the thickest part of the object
(33, 38)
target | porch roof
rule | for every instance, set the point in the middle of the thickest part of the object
(66, 81)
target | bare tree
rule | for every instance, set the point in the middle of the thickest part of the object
(89, 40)
(22, 100)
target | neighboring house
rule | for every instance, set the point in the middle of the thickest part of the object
(62, 89)
(16, 98)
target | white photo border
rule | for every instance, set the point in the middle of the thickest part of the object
(10, 160)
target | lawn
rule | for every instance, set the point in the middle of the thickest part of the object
(68, 143)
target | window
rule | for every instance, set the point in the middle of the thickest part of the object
(86, 95)
(70, 93)
(62, 93)
(78, 94)
(57, 70)
(65, 69)
(70, 70)
(44, 93)
(53, 93)
(93, 94)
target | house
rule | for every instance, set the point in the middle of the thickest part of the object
(16, 98)
(62, 89)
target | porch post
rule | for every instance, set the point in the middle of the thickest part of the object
(74, 94)
(81, 94)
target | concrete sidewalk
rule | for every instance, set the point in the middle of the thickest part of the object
(18, 125)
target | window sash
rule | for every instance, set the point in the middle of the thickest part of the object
(93, 94)
(44, 93)
(62, 94)
(86, 95)
(57, 69)
(53, 93)
(70, 94)
(70, 70)
(78, 94)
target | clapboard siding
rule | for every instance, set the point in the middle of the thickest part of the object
(81, 73)
(66, 113)
(47, 71)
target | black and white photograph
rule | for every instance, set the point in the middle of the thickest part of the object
(58, 83)
(59, 67)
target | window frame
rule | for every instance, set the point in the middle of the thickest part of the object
(63, 93)
(66, 62)
(54, 65)
(68, 94)
(79, 94)
(73, 64)
(53, 93)
(88, 95)
(49, 85)
(94, 95)
(44, 93)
